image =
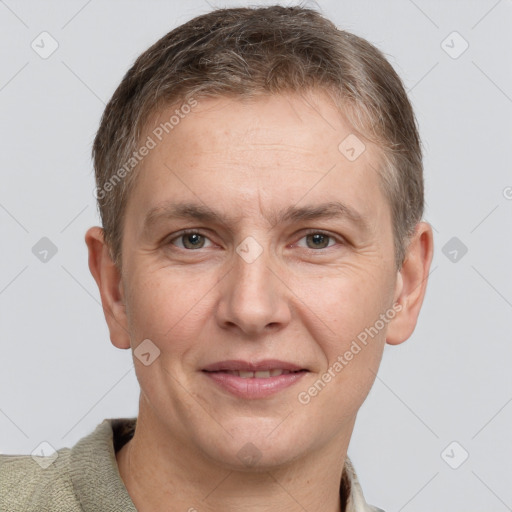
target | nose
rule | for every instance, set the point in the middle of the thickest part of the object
(254, 300)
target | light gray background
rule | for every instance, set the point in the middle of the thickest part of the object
(452, 381)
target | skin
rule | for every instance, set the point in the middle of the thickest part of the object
(295, 302)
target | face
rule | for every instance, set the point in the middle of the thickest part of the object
(253, 243)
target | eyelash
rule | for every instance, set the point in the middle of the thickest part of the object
(338, 240)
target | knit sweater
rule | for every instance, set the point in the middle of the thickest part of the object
(86, 478)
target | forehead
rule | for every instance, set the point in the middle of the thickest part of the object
(294, 122)
(257, 154)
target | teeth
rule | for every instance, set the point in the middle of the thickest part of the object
(262, 374)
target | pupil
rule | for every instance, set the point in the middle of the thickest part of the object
(319, 240)
(193, 239)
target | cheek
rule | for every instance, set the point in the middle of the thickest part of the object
(167, 309)
(343, 305)
(351, 336)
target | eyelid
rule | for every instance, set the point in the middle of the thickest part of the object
(339, 239)
(183, 232)
(311, 231)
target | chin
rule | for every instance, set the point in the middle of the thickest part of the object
(255, 449)
(251, 458)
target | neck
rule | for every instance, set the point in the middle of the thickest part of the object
(160, 474)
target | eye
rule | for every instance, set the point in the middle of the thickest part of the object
(190, 240)
(318, 240)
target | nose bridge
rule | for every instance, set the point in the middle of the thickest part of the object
(252, 299)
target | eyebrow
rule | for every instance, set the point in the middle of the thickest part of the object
(203, 213)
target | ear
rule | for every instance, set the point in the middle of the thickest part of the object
(411, 284)
(108, 279)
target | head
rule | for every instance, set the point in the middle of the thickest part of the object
(289, 151)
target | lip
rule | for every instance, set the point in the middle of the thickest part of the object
(254, 387)
(238, 364)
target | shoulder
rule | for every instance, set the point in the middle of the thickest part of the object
(36, 483)
(84, 477)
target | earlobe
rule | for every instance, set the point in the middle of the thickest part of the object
(412, 284)
(108, 279)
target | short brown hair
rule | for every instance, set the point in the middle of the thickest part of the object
(249, 51)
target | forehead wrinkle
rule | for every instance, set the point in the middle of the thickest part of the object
(187, 210)
(202, 212)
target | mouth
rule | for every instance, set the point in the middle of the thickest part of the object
(254, 380)
(261, 374)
